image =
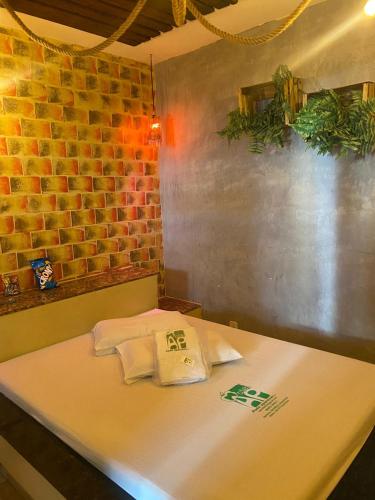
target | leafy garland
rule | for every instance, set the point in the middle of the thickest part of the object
(330, 123)
(266, 127)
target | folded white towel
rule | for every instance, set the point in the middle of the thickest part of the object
(179, 357)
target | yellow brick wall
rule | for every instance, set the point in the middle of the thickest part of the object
(78, 183)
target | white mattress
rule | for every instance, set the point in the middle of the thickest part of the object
(186, 442)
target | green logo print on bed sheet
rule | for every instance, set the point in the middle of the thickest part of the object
(245, 396)
(176, 340)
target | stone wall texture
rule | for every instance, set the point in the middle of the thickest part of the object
(77, 181)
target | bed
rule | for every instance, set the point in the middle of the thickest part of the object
(202, 441)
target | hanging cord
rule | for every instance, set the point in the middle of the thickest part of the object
(247, 40)
(84, 52)
(179, 13)
(152, 87)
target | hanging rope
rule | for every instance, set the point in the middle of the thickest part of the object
(84, 52)
(248, 40)
(179, 13)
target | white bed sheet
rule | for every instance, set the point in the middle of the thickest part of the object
(186, 442)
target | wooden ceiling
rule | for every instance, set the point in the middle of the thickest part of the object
(102, 17)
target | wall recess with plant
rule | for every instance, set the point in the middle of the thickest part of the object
(332, 122)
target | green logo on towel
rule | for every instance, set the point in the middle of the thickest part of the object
(176, 341)
(245, 396)
(258, 401)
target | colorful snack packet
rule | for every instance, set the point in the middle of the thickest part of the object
(43, 272)
(11, 285)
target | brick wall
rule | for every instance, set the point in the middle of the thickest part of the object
(77, 181)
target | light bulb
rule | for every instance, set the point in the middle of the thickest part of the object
(369, 8)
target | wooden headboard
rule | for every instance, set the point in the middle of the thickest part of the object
(31, 329)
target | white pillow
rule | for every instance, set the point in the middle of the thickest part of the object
(137, 356)
(111, 332)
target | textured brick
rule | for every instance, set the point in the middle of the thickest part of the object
(155, 253)
(138, 227)
(28, 222)
(145, 184)
(121, 120)
(12, 204)
(111, 102)
(115, 168)
(48, 111)
(80, 183)
(3, 146)
(151, 265)
(112, 135)
(87, 133)
(128, 244)
(10, 125)
(134, 168)
(24, 258)
(65, 131)
(56, 220)
(100, 118)
(93, 200)
(96, 232)
(92, 82)
(141, 122)
(118, 229)
(98, 264)
(86, 249)
(139, 255)
(119, 260)
(104, 183)
(69, 202)
(154, 225)
(125, 89)
(107, 246)
(146, 240)
(25, 184)
(152, 198)
(36, 90)
(49, 75)
(132, 106)
(52, 148)
(7, 87)
(26, 279)
(125, 72)
(127, 213)
(8, 263)
(72, 149)
(65, 166)
(54, 184)
(147, 212)
(60, 60)
(91, 167)
(6, 224)
(5, 44)
(125, 184)
(145, 77)
(84, 149)
(22, 147)
(87, 64)
(4, 185)
(74, 268)
(11, 67)
(60, 96)
(30, 50)
(136, 198)
(35, 128)
(10, 166)
(76, 115)
(88, 100)
(115, 199)
(63, 253)
(45, 238)
(83, 217)
(17, 106)
(72, 235)
(105, 215)
(41, 203)
(103, 84)
(15, 242)
(102, 151)
(37, 166)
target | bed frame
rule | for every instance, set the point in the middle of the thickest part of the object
(31, 329)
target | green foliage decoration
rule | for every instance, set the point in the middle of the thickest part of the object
(266, 127)
(336, 124)
(330, 122)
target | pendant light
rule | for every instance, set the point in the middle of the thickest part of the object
(154, 133)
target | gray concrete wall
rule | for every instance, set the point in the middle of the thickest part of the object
(283, 242)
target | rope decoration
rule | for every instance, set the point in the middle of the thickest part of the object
(179, 8)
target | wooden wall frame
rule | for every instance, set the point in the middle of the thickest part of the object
(367, 88)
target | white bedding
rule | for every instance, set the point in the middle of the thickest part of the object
(186, 442)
